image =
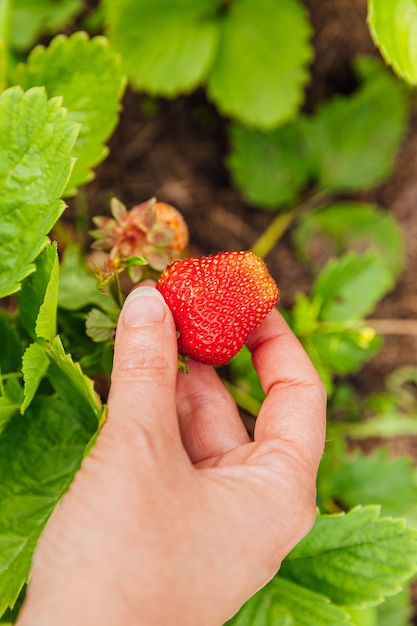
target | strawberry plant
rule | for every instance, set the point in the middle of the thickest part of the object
(59, 105)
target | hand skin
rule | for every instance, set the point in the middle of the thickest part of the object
(176, 518)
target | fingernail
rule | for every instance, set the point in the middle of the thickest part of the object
(144, 305)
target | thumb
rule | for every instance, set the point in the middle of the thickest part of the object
(142, 391)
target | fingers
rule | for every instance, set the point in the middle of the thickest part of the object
(144, 373)
(209, 420)
(295, 407)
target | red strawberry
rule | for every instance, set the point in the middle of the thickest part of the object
(216, 302)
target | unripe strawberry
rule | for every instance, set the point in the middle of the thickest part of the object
(216, 302)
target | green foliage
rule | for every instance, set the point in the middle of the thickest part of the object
(39, 295)
(330, 322)
(260, 69)
(351, 560)
(83, 72)
(353, 140)
(348, 144)
(393, 28)
(39, 454)
(340, 556)
(270, 167)
(166, 48)
(29, 19)
(283, 603)
(251, 55)
(347, 480)
(34, 168)
(350, 225)
(78, 287)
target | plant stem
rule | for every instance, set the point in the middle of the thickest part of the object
(282, 221)
(243, 399)
(4, 39)
(393, 326)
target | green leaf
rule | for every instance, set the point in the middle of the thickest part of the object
(10, 402)
(39, 454)
(283, 603)
(166, 47)
(393, 29)
(88, 76)
(349, 287)
(35, 164)
(260, 69)
(355, 559)
(349, 225)
(341, 349)
(11, 350)
(100, 326)
(38, 297)
(354, 139)
(32, 18)
(395, 610)
(356, 479)
(70, 382)
(5, 7)
(46, 320)
(34, 367)
(244, 375)
(269, 167)
(78, 287)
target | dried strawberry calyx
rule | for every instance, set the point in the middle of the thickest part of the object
(152, 230)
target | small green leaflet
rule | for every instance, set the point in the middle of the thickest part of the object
(350, 225)
(34, 169)
(77, 285)
(35, 364)
(355, 559)
(38, 302)
(260, 69)
(349, 287)
(11, 346)
(354, 139)
(284, 603)
(269, 167)
(100, 326)
(353, 479)
(252, 54)
(167, 47)
(84, 72)
(393, 29)
(330, 323)
(395, 610)
(32, 18)
(39, 296)
(70, 382)
(10, 402)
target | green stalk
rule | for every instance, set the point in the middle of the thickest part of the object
(4, 41)
(283, 220)
(243, 399)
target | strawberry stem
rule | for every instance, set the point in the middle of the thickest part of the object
(284, 219)
(243, 399)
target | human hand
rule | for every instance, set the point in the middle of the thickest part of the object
(176, 517)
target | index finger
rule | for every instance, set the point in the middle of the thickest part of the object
(295, 406)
